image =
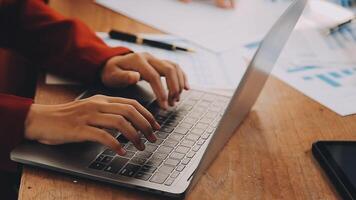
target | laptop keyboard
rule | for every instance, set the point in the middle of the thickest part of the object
(184, 129)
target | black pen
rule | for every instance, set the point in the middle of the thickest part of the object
(340, 25)
(118, 35)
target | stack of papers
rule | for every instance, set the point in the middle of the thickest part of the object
(201, 22)
(320, 65)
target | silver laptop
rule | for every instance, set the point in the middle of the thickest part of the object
(191, 136)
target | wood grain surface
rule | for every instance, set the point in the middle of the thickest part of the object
(269, 157)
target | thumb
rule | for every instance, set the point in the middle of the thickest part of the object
(123, 78)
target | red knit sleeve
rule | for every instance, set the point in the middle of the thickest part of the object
(13, 112)
(62, 46)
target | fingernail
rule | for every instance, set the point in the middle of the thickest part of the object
(187, 86)
(121, 151)
(165, 105)
(142, 146)
(152, 138)
(157, 126)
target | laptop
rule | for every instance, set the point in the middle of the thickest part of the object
(191, 136)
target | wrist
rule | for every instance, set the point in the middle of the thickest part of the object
(35, 121)
(31, 115)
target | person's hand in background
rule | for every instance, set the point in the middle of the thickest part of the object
(121, 71)
(220, 3)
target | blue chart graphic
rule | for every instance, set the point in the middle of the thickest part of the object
(301, 68)
(332, 78)
(253, 45)
(344, 3)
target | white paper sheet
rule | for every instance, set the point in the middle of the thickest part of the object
(334, 87)
(201, 22)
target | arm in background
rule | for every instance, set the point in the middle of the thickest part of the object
(227, 4)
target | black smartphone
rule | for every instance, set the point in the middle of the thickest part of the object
(338, 159)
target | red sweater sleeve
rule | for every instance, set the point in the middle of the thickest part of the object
(66, 47)
(13, 112)
(49, 40)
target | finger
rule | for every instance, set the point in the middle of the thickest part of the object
(101, 136)
(149, 117)
(223, 3)
(186, 82)
(133, 116)
(119, 123)
(185, 77)
(137, 62)
(123, 78)
(181, 76)
(170, 72)
(154, 79)
(232, 3)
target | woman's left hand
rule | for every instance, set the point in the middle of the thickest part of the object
(121, 71)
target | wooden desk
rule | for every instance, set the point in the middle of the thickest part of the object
(269, 157)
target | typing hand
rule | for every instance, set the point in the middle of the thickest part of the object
(121, 71)
(219, 3)
(79, 120)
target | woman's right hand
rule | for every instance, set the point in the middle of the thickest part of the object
(83, 120)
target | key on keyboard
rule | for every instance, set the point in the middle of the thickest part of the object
(165, 169)
(142, 176)
(148, 169)
(187, 143)
(116, 165)
(171, 162)
(169, 181)
(159, 178)
(170, 143)
(182, 149)
(150, 148)
(97, 166)
(181, 130)
(138, 160)
(109, 152)
(177, 156)
(129, 154)
(165, 149)
(176, 136)
(129, 170)
(162, 135)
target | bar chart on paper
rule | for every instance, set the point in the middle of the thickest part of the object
(334, 78)
(343, 38)
(336, 47)
(334, 87)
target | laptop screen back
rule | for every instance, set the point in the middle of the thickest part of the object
(252, 83)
